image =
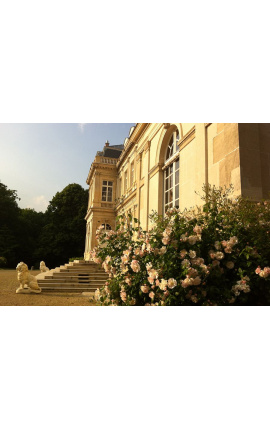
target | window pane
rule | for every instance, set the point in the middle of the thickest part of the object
(104, 182)
(104, 189)
(176, 192)
(110, 184)
(177, 164)
(177, 204)
(170, 195)
(177, 177)
(166, 198)
(170, 182)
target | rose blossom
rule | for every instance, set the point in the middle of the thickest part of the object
(172, 283)
(187, 282)
(192, 254)
(135, 266)
(166, 240)
(123, 296)
(148, 266)
(233, 241)
(151, 294)
(230, 264)
(192, 273)
(192, 240)
(163, 284)
(185, 263)
(215, 263)
(258, 270)
(197, 229)
(219, 255)
(183, 253)
(145, 288)
(197, 280)
(162, 250)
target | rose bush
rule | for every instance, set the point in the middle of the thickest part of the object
(208, 256)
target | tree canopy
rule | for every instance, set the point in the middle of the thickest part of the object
(63, 234)
(53, 236)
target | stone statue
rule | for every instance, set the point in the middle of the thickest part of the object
(43, 267)
(28, 283)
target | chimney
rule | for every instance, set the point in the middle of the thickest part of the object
(107, 144)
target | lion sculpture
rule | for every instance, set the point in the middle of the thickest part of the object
(28, 283)
(43, 267)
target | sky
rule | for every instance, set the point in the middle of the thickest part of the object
(38, 160)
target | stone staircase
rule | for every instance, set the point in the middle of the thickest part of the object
(78, 276)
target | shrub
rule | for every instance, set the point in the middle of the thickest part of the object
(3, 262)
(217, 254)
(75, 258)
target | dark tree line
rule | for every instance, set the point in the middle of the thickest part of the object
(53, 236)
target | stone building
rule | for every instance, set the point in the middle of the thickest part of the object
(161, 165)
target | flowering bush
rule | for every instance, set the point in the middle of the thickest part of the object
(208, 256)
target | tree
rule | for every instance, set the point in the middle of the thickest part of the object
(31, 226)
(9, 224)
(64, 232)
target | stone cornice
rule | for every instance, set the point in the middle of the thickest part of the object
(189, 136)
(126, 199)
(137, 132)
(157, 168)
(99, 166)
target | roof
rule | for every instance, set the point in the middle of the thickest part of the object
(111, 151)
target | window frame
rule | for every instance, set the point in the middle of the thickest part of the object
(108, 196)
(171, 172)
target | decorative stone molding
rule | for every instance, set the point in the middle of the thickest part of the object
(187, 138)
(147, 146)
(157, 168)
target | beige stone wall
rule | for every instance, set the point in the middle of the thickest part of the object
(224, 156)
(214, 153)
(255, 160)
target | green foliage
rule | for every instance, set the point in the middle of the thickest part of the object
(64, 231)
(30, 236)
(9, 228)
(207, 256)
(3, 262)
(75, 258)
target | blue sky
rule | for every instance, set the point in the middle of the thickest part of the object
(38, 160)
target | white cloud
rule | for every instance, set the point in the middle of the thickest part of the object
(39, 203)
(82, 126)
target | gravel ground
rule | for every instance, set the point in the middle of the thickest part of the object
(8, 296)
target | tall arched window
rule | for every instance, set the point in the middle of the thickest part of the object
(171, 173)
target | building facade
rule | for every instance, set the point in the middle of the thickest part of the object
(163, 165)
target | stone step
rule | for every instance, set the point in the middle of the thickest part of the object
(81, 276)
(62, 286)
(67, 289)
(82, 269)
(74, 281)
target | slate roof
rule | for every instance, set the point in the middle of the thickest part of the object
(111, 151)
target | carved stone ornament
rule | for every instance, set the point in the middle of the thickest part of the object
(28, 283)
(43, 267)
